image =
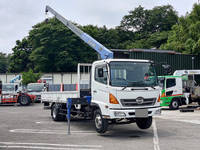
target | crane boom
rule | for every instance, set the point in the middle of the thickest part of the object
(102, 50)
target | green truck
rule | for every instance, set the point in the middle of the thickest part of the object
(179, 89)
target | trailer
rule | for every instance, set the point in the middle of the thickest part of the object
(120, 90)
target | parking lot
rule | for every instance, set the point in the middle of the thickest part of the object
(32, 128)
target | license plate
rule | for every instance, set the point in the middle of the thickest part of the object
(141, 113)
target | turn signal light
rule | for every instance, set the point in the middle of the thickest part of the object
(112, 99)
(163, 94)
(158, 99)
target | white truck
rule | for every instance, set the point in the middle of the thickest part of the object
(180, 89)
(121, 90)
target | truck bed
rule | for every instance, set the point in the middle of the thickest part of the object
(58, 97)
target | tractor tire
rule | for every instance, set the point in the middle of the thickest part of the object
(24, 100)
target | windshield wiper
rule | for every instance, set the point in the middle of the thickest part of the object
(153, 87)
(124, 87)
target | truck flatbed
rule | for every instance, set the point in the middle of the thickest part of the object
(58, 96)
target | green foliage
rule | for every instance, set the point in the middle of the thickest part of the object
(4, 59)
(19, 60)
(30, 77)
(52, 47)
(150, 26)
(145, 21)
(185, 36)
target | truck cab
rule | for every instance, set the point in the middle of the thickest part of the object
(120, 87)
(172, 93)
(8, 88)
(36, 89)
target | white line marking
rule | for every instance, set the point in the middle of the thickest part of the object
(155, 137)
(49, 131)
(47, 146)
(42, 148)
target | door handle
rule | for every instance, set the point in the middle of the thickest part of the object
(94, 91)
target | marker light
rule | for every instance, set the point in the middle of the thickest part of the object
(158, 99)
(112, 99)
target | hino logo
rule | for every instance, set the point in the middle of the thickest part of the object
(140, 100)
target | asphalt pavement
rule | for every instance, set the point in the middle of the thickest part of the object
(31, 128)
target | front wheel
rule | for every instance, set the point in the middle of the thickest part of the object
(24, 100)
(144, 123)
(174, 104)
(101, 124)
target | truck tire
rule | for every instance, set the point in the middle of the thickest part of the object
(199, 102)
(55, 113)
(174, 104)
(24, 100)
(144, 123)
(100, 123)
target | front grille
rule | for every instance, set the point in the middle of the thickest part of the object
(133, 102)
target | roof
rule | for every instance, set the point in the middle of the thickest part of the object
(123, 60)
(147, 50)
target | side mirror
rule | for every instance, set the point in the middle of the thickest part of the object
(16, 87)
(100, 72)
(167, 69)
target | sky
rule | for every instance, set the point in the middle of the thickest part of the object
(18, 16)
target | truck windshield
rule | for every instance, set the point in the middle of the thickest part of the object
(35, 88)
(132, 74)
(8, 88)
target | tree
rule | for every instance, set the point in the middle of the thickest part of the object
(185, 36)
(19, 60)
(4, 61)
(159, 19)
(30, 77)
(151, 27)
(56, 48)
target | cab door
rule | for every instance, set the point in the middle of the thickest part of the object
(100, 85)
(173, 86)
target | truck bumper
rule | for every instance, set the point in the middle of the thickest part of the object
(131, 113)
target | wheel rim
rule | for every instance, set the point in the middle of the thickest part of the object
(98, 121)
(175, 104)
(54, 113)
(23, 100)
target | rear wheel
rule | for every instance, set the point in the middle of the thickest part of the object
(144, 123)
(24, 100)
(174, 104)
(101, 124)
(55, 113)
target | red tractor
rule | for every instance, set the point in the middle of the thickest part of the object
(10, 93)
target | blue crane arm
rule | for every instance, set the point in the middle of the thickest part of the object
(18, 77)
(101, 50)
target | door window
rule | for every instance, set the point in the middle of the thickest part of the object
(170, 83)
(101, 74)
